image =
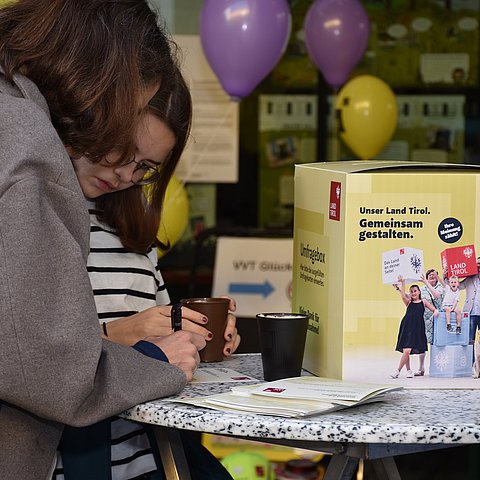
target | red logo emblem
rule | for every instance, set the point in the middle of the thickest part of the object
(334, 205)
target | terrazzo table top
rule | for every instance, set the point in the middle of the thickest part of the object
(405, 417)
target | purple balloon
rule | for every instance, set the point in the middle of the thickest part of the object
(336, 37)
(243, 40)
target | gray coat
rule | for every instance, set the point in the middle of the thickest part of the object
(54, 367)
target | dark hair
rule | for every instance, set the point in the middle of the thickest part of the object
(90, 59)
(430, 271)
(134, 219)
(418, 288)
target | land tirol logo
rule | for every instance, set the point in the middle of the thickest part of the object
(468, 252)
(459, 261)
(334, 203)
(416, 263)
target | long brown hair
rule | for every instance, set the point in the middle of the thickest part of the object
(90, 59)
(134, 219)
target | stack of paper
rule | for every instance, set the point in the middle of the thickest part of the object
(293, 397)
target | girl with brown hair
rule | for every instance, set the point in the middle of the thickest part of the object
(121, 210)
(130, 295)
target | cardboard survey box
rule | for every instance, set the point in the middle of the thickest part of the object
(460, 261)
(347, 217)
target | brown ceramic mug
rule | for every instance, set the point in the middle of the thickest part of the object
(216, 310)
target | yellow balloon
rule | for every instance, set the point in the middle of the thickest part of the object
(367, 114)
(174, 217)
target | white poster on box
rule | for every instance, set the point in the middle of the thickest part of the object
(402, 262)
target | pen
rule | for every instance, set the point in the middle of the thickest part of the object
(176, 316)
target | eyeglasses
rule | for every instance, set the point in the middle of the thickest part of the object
(145, 172)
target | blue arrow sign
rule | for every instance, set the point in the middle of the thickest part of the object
(264, 289)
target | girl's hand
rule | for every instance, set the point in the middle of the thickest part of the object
(154, 322)
(423, 279)
(232, 338)
(436, 313)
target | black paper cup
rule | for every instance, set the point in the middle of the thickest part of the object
(282, 343)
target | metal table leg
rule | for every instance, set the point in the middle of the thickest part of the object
(386, 468)
(172, 453)
(341, 467)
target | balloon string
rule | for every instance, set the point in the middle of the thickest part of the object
(335, 129)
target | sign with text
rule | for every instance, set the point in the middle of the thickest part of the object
(211, 154)
(402, 262)
(257, 272)
(459, 261)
